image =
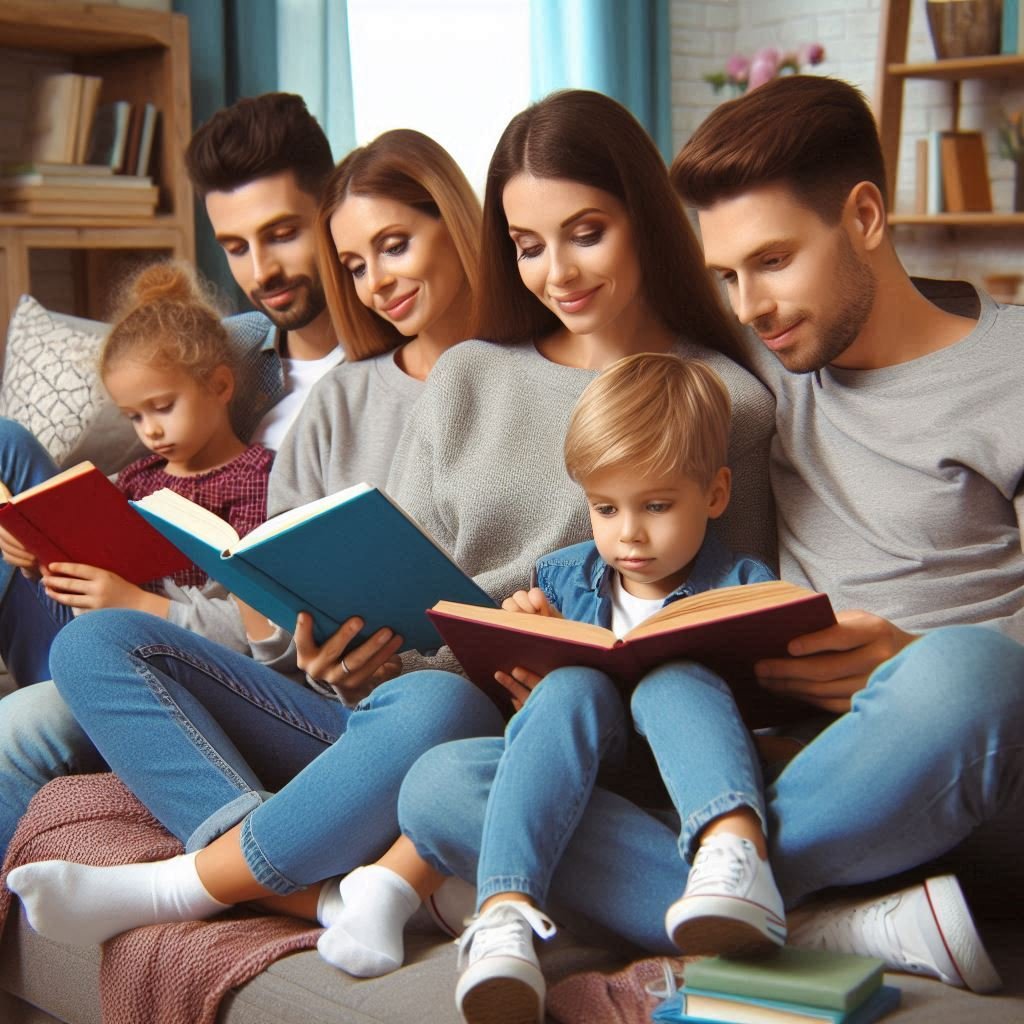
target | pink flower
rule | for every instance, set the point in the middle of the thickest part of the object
(769, 54)
(737, 67)
(811, 53)
(761, 70)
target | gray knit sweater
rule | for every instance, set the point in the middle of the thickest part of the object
(480, 463)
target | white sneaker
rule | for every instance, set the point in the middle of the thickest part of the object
(731, 904)
(924, 929)
(452, 905)
(502, 982)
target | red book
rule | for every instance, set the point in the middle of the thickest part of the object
(80, 516)
(727, 629)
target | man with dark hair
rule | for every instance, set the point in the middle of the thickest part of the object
(896, 470)
(259, 166)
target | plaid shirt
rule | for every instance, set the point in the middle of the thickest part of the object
(236, 491)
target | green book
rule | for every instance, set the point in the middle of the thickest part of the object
(838, 981)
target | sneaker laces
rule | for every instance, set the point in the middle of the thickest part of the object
(715, 865)
(504, 929)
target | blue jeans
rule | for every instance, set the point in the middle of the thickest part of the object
(29, 620)
(39, 741)
(931, 749)
(203, 736)
(575, 723)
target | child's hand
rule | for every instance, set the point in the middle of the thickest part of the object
(520, 684)
(14, 554)
(532, 601)
(85, 586)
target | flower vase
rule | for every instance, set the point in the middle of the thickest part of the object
(1018, 187)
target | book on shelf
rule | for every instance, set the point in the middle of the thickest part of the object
(77, 208)
(921, 176)
(698, 1006)
(728, 629)
(89, 102)
(965, 182)
(130, 159)
(836, 981)
(133, 187)
(80, 516)
(83, 191)
(110, 135)
(52, 124)
(935, 189)
(147, 139)
(351, 553)
(32, 172)
(1009, 35)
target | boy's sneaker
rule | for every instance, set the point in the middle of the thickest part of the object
(501, 980)
(731, 904)
(924, 929)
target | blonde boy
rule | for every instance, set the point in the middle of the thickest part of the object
(647, 443)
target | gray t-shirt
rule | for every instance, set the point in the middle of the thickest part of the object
(898, 490)
(346, 433)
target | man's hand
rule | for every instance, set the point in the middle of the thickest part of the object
(14, 554)
(352, 674)
(828, 667)
(532, 602)
(86, 587)
(520, 683)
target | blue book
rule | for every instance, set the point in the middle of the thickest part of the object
(1010, 27)
(351, 553)
(700, 1006)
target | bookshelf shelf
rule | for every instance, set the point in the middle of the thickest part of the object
(893, 72)
(142, 56)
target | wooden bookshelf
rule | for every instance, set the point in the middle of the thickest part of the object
(893, 73)
(142, 56)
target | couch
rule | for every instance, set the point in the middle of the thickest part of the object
(47, 385)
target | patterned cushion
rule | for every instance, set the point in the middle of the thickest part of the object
(50, 385)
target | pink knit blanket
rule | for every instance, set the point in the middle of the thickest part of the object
(162, 974)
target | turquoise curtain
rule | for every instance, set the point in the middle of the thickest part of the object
(313, 61)
(619, 47)
(234, 54)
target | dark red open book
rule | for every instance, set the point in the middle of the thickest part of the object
(727, 629)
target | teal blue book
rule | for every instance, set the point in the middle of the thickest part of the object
(1010, 27)
(696, 1006)
(838, 981)
(351, 553)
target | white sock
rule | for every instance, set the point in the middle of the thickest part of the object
(85, 906)
(365, 918)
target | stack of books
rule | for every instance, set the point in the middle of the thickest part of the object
(81, 158)
(789, 986)
(80, 190)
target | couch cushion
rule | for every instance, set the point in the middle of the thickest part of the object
(50, 386)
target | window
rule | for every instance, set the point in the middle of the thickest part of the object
(456, 70)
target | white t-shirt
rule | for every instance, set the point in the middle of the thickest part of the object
(629, 611)
(299, 377)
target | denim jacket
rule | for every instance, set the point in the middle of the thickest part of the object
(578, 582)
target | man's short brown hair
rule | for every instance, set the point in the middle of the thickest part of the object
(814, 135)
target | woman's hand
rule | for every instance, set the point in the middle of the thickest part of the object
(520, 683)
(15, 554)
(88, 588)
(351, 674)
(532, 602)
(828, 667)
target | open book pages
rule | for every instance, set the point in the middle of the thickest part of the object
(710, 606)
(209, 527)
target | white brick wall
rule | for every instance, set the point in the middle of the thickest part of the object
(704, 34)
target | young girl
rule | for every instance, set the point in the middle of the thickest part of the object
(167, 364)
(398, 237)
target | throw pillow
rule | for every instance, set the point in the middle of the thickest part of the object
(50, 386)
